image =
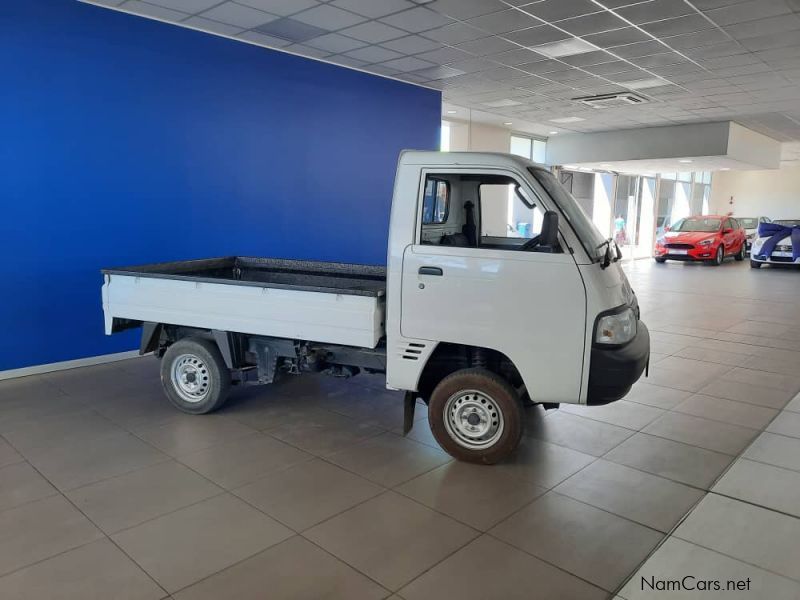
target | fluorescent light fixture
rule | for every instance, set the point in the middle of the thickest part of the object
(606, 165)
(571, 167)
(451, 112)
(568, 47)
(725, 169)
(508, 123)
(553, 133)
(567, 120)
(584, 168)
(502, 103)
(684, 160)
(641, 84)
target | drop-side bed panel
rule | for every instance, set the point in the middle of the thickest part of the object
(320, 302)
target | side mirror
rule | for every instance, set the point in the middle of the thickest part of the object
(548, 238)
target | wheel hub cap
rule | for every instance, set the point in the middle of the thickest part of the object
(191, 378)
(473, 419)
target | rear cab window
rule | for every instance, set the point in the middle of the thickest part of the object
(435, 201)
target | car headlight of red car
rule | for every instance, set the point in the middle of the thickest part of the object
(706, 243)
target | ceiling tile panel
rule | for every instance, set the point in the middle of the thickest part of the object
(328, 17)
(373, 9)
(373, 32)
(238, 15)
(416, 20)
(283, 8)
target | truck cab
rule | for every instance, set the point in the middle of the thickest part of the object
(498, 291)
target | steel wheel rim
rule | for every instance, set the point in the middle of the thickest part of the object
(720, 255)
(473, 419)
(191, 378)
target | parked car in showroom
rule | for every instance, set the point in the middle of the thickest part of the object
(777, 243)
(707, 238)
(750, 225)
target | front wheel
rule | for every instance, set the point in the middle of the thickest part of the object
(740, 256)
(754, 264)
(661, 261)
(476, 416)
(194, 376)
(719, 256)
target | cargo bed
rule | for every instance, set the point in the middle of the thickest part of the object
(308, 300)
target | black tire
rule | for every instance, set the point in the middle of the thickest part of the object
(201, 361)
(754, 264)
(661, 261)
(742, 253)
(489, 394)
(718, 257)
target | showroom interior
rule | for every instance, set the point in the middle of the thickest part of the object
(630, 308)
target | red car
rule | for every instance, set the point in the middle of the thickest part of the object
(707, 238)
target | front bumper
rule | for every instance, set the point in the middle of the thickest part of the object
(613, 371)
(696, 253)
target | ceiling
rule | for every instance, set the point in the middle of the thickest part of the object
(523, 62)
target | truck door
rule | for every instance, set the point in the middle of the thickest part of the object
(483, 282)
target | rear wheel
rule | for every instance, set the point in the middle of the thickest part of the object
(476, 416)
(742, 253)
(754, 264)
(661, 261)
(194, 376)
(719, 256)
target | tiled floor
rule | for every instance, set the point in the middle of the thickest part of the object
(306, 489)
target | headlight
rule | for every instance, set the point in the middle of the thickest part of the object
(757, 243)
(616, 329)
(707, 242)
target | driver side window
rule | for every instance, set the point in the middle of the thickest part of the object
(507, 221)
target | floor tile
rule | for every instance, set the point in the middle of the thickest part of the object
(41, 529)
(488, 568)
(711, 435)
(55, 431)
(728, 411)
(787, 383)
(577, 432)
(477, 495)
(794, 404)
(96, 570)
(243, 460)
(631, 415)
(542, 463)
(673, 460)
(693, 367)
(130, 499)
(187, 433)
(82, 462)
(20, 483)
(786, 423)
(389, 459)
(8, 456)
(264, 408)
(656, 395)
(635, 495)
(593, 544)
(322, 432)
(749, 533)
(764, 485)
(26, 390)
(679, 380)
(676, 559)
(745, 392)
(184, 546)
(293, 569)
(137, 410)
(778, 450)
(307, 493)
(390, 538)
(721, 357)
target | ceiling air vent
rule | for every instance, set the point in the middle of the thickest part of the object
(612, 100)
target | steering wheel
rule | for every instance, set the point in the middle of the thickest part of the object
(531, 243)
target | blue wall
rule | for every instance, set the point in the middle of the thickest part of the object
(124, 140)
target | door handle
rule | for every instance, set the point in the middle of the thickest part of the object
(431, 271)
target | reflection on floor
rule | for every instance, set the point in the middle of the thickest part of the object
(306, 489)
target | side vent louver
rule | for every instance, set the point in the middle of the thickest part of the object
(411, 351)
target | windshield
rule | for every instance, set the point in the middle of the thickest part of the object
(788, 222)
(748, 223)
(586, 231)
(697, 224)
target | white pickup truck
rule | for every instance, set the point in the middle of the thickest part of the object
(499, 291)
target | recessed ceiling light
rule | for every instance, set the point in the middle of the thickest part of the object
(684, 160)
(508, 123)
(564, 48)
(572, 167)
(502, 103)
(567, 120)
(606, 165)
(641, 84)
(553, 133)
(451, 112)
(725, 169)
